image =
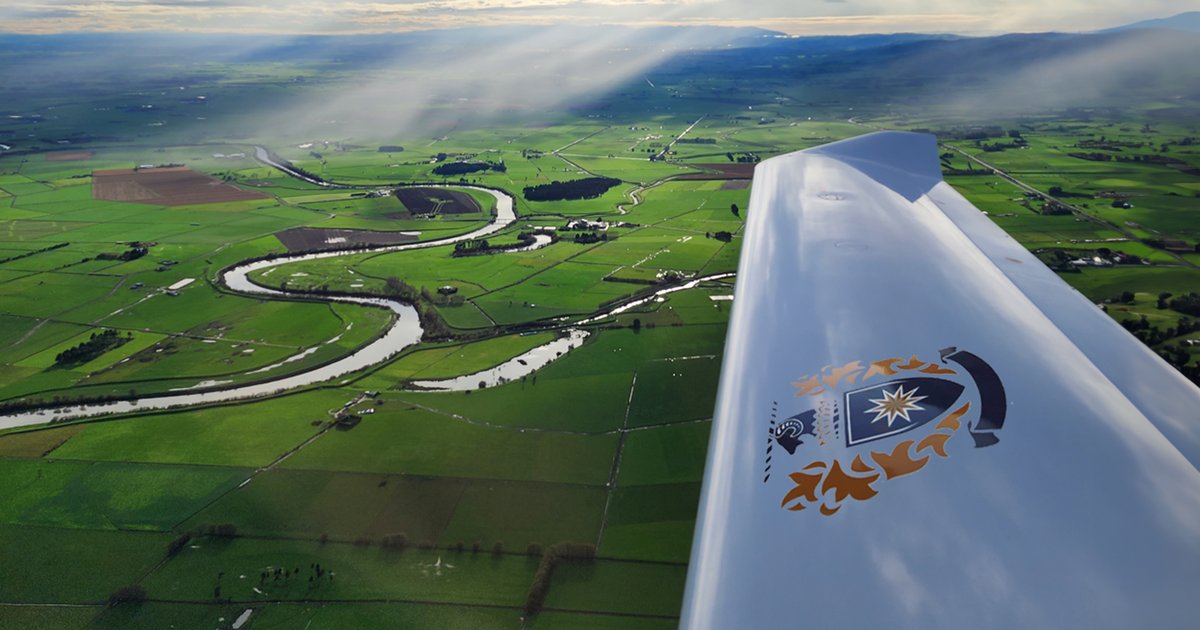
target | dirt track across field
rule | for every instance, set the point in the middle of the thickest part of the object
(167, 186)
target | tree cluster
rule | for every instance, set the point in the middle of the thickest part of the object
(136, 250)
(96, 345)
(1058, 191)
(475, 244)
(996, 147)
(1178, 356)
(586, 188)
(743, 158)
(723, 236)
(1188, 304)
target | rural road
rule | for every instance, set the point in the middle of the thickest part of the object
(1077, 211)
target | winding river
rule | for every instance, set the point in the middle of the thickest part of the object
(405, 332)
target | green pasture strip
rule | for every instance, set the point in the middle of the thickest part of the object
(400, 439)
(367, 573)
(247, 435)
(652, 522)
(74, 566)
(108, 495)
(618, 587)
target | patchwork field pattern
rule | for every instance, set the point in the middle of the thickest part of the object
(432, 509)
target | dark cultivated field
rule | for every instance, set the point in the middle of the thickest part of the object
(309, 239)
(169, 186)
(436, 201)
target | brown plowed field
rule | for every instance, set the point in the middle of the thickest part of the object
(168, 186)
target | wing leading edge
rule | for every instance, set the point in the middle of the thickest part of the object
(919, 424)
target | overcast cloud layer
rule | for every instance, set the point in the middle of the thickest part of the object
(806, 17)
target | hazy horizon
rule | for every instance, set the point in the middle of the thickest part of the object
(823, 17)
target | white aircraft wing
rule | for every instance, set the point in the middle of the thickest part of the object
(920, 425)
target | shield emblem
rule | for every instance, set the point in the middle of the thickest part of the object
(895, 407)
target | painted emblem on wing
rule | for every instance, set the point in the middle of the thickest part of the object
(866, 424)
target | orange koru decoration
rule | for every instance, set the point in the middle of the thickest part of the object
(865, 423)
(828, 484)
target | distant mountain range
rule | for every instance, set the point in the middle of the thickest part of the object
(1189, 22)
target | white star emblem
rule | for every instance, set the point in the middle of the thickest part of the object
(896, 404)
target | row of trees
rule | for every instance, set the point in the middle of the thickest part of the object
(32, 404)
(554, 556)
(1158, 243)
(400, 541)
(465, 168)
(32, 252)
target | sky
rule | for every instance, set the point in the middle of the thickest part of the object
(797, 17)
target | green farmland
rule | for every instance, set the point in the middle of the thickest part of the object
(365, 500)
